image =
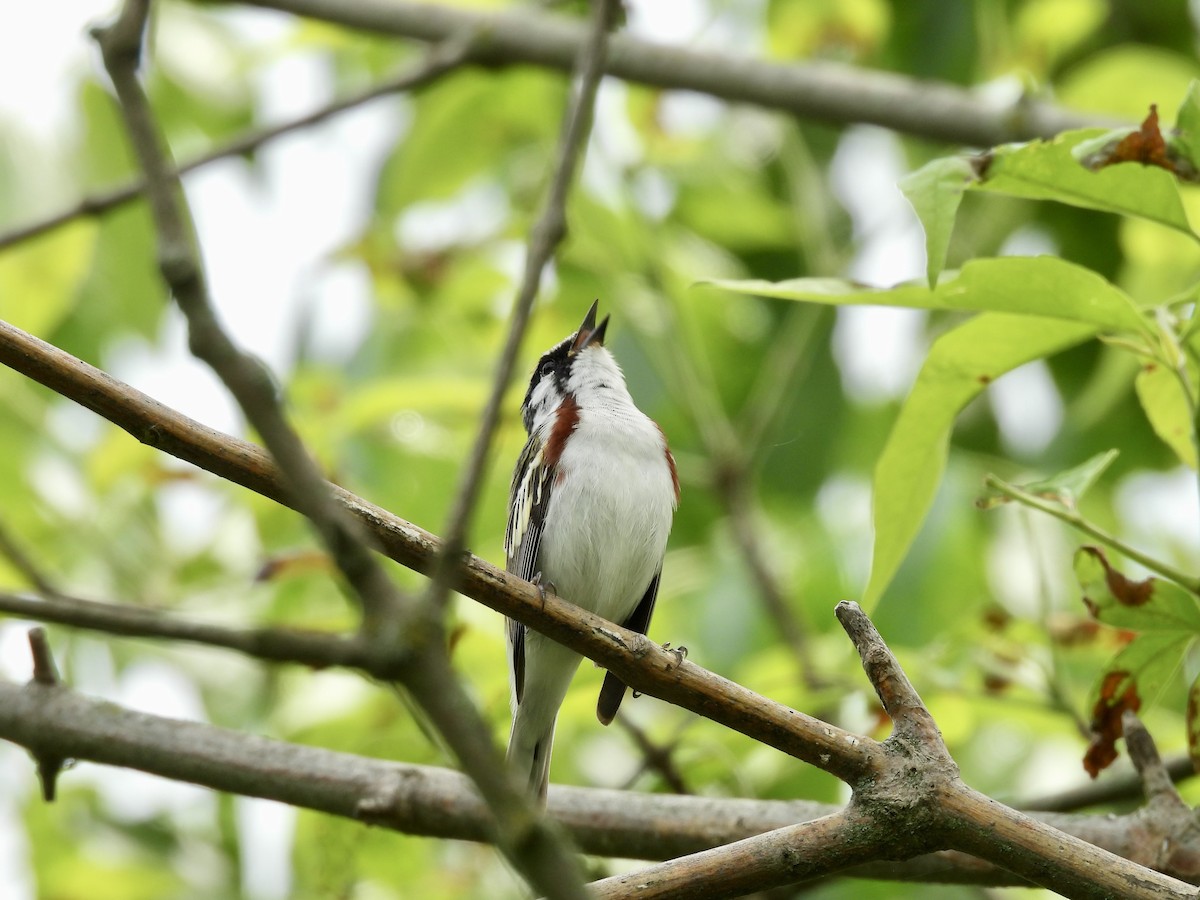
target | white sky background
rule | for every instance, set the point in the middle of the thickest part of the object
(267, 238)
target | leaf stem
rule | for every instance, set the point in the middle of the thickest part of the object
(1076, 521)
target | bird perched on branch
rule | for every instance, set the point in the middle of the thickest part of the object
(590, 508)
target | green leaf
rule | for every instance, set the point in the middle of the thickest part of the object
(1066, 487)
(1028, 285)
(1162, 398)
(1151, 660)
(1048, 170)
(961, 363)
(1150, 605)
(1186, 138)
(935, 191)
(1131, 681)
(40, 278)
(436, 158)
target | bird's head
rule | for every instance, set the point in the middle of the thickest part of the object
(574, 367)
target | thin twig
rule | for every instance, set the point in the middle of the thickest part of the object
(309, 648)
(1112, 789)
(654, 757)
(415, 642)
(442, 59)
(1076, 521)
(23, 563)
(732, 488)
(731, 477)
(547, 234)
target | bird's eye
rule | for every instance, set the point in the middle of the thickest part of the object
(545, 368)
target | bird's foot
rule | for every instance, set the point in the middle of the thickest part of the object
(680, 653)
(537, 583)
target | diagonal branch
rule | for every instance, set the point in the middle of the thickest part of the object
(397, 628)
(11, 550)
(547, 234)
(245, 377)
(636, 660)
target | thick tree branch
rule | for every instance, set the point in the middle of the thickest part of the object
(913, 803)
(412, 799)
(433, 802)
(645, 826)
(823, 91)
(402, 630)
(811, 850)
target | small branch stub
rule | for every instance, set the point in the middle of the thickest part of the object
(45, 672)
(899, 698)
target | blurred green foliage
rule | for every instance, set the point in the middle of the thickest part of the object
(983, 610)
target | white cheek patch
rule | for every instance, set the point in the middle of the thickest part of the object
(544, 400)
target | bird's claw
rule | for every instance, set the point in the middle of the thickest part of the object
(537, 583)
(680, 653)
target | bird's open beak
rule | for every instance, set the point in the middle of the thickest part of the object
(589, 332)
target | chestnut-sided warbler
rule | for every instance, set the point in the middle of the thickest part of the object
(589, 511)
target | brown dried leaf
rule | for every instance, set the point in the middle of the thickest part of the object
(1193, 723)
(1146, 146)
(1125, 590)
(1118, 693)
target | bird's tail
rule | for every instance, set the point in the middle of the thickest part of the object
(529, 748)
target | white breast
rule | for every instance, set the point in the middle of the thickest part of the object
(609, 516)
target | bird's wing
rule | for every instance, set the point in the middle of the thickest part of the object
(612, 692)
(528, 500)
